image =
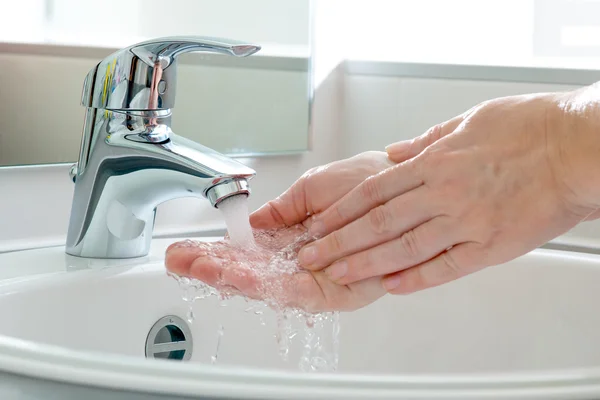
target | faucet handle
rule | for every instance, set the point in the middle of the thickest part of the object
(144, 76)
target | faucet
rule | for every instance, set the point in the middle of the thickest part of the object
(130, 160)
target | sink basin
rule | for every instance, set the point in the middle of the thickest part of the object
(78, 327)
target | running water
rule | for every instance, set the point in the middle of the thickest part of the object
(235, 211)
(318, 333)
(220, 332)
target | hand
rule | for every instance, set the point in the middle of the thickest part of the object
(478, 190)
(279, 229)
(318, 189)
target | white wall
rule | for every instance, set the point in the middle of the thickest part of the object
(118, 23)
(351, 114)
(253, 109)
(380, 110)
(262, 21)
(35, 202)
(542, 33)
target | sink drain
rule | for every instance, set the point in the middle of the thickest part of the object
(170, 338)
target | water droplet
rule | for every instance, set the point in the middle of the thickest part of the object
(318, 334)
(190, 315)
(220, 332)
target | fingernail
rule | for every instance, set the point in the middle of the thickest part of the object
(317, 228)
(337, 270)
(398, 147)
(307, 255)
(392, 282)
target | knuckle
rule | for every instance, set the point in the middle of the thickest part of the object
(371, 263)
(451, 267)
(410, 245)
(434, 134)
(336, 242)
(380, 220)
(317, 173)
(359, 267)
(370, 189)
(275, 210)
(339, 214)
(309, 173)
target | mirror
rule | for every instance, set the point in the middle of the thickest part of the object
(249, 106)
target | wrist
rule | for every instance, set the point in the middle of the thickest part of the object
(573, 127)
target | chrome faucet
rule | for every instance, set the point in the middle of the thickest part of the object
(130, 159)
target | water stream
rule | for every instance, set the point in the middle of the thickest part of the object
(319, 332)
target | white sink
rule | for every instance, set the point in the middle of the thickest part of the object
(528, 328)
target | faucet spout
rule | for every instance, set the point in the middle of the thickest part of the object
(130, 159)
(133, 163)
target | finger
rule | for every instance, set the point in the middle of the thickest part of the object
(412, 248)
(286, 210)
(460, 260)
(216, 272)
(234, 276)
(241, 278)
(298, 289)
(310, 194)
(401, 151)
(372, 192)
(179, 256)
(325, 295)
(310, 292)
(206, 268)
(363, 293)
(381, 224)
(318, 189)
(194, 259)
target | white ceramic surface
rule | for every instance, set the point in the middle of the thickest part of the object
(527, 328)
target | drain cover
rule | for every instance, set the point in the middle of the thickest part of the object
(170, 338)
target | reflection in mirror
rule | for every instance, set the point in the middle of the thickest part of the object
(254, 105)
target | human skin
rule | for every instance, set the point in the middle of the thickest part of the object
(478, 190)
(278, 224)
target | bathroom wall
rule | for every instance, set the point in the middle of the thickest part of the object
(35, 201)
(379, 110)
(351, 113)
(240, 108)
(282, 23)
(354, 110)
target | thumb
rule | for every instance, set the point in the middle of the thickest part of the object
(405, 150)
(288, 209)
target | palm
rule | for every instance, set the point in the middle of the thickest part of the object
(269, 272)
